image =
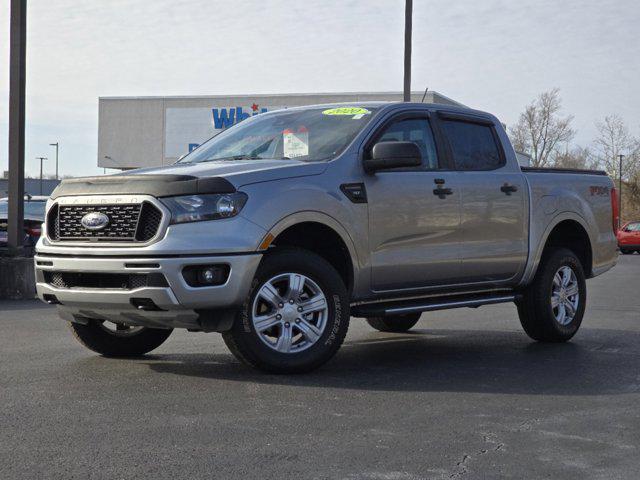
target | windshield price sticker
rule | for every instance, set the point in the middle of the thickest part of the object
(356, 112)
(296, 144)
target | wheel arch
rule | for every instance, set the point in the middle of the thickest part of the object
(321, 234)
(568, 231)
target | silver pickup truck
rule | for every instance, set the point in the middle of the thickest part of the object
(279, 229)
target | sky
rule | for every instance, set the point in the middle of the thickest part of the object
(493, 55)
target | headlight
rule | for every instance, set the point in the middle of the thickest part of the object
(197, 208)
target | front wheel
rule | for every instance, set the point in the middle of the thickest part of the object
(552, 307)
(295, 317)
(624, 251)
(118, 340)
(394, 323)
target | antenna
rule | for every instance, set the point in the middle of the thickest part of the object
(425, 94)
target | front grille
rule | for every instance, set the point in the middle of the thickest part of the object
(109, 281)
(134, 222)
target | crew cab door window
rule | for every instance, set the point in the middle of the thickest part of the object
(416, 130)
(473, 145)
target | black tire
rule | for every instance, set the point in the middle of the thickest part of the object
(97, 337)
(624, 251)
(535, 310)
(251, 348)
(395, 323)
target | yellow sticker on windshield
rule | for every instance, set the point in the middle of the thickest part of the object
(357, 112)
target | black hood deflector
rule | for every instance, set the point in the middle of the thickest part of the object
(155, 185)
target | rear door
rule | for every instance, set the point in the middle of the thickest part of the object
(494, 217)
(414, 232)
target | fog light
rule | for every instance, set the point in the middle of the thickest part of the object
(210, 275)
(205, 275)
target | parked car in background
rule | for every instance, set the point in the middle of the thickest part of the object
(34, 207)
(629, 238)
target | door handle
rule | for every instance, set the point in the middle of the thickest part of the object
(442, 192)
(508, 189)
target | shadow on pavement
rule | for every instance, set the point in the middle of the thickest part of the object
(597, 362)
(19, 305)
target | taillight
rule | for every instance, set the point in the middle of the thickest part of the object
(615, 210)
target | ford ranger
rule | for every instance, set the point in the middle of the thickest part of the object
(279, 229)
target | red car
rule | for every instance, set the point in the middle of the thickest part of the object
(629, 238)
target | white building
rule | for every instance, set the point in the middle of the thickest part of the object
(153, 131)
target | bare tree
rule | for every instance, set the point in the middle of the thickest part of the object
(578, 157)
(613, 140)
(631, 197)
(541, 130)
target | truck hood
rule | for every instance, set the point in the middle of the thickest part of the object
(239, 172)
(188, 179)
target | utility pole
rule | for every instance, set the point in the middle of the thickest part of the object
(408, 13)
(42, 159)
(17, 77)
(57, 144)
(620, 157)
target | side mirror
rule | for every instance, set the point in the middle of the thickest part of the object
(387, 155)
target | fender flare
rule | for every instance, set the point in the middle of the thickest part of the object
(316, 217)
(536, 256)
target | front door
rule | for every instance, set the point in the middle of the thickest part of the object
(414, 215)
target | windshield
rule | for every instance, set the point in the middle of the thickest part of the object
(311, 135)
(633, 227)
(32, 208)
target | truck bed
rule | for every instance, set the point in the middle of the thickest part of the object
(562, 170)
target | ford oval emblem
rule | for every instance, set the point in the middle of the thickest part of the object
(94, 221)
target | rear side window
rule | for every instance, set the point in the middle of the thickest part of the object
(473, 145)
(418, 131)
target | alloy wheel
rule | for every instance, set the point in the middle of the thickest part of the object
(565, 295)
(290, 312)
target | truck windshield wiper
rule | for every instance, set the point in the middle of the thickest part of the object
(231, 158)
(240, 157)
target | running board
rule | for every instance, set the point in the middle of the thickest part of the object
(428, 305)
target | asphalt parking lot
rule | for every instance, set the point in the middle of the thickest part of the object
(466, 395)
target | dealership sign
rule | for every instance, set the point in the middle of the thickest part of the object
(186, 128)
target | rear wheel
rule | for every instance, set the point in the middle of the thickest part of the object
(624, 251)
(394, 323)
(118, 340)
(552, 307)
(295, 317)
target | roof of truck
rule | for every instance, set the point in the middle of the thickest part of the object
(392, 104)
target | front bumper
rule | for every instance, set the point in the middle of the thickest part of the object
(178, 303)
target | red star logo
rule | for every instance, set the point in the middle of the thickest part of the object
(254, 107)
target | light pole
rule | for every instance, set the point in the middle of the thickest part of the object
(17, 76)
(408, 12)
(42, 159)
(57, 144)
(620, 157)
